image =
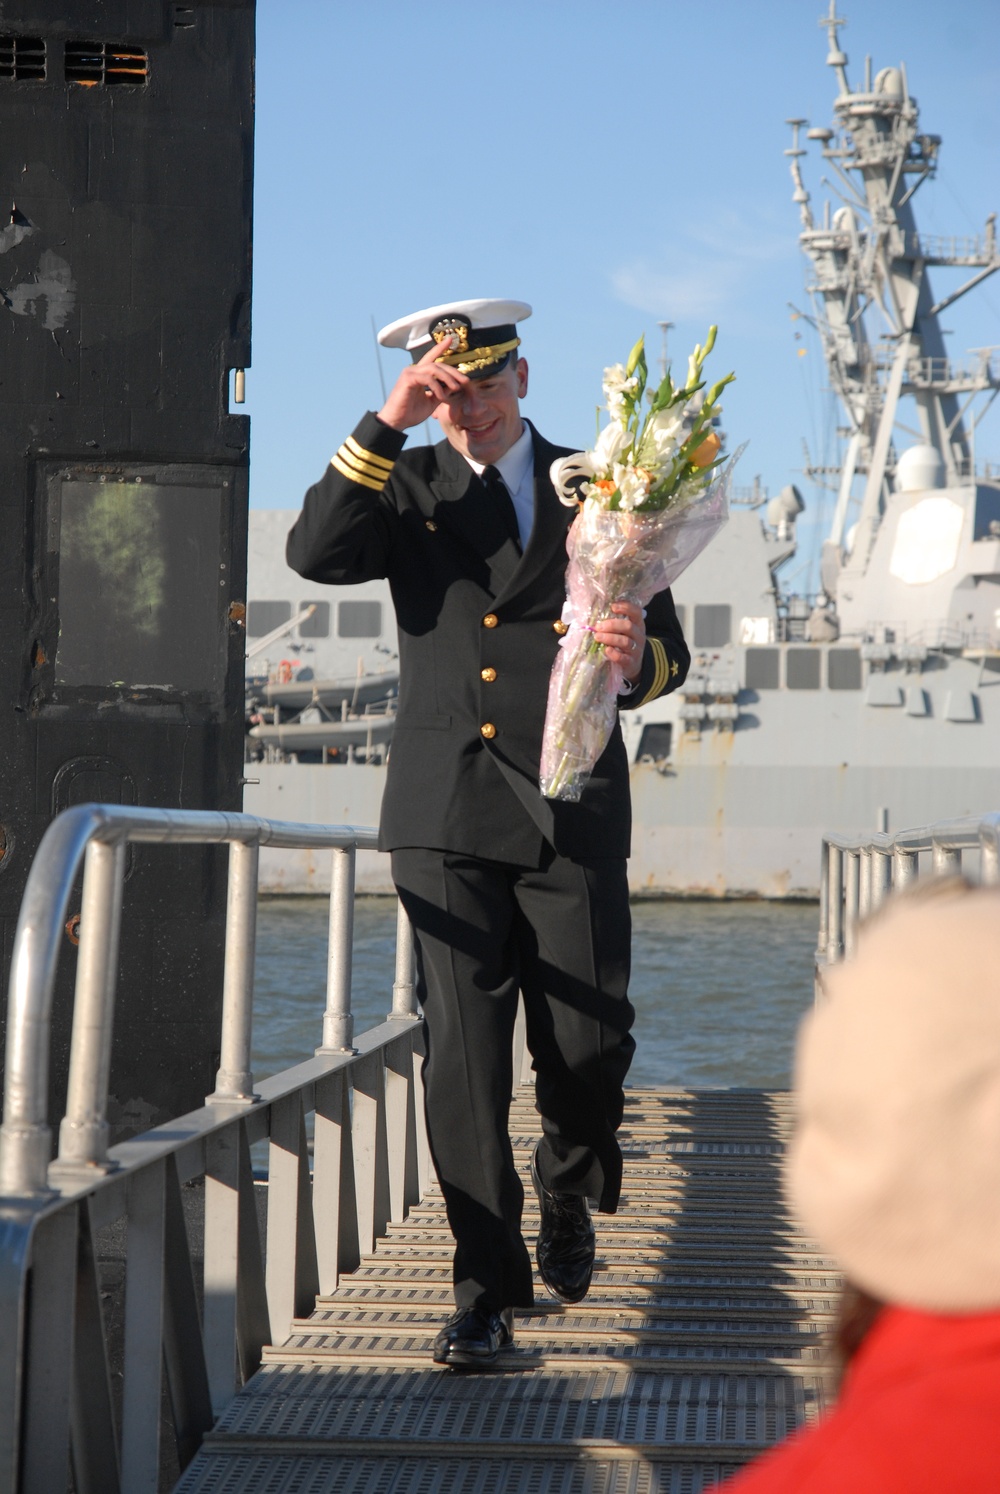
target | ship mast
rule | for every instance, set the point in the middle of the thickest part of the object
(869, 261)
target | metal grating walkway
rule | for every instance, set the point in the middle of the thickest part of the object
(700, 1343)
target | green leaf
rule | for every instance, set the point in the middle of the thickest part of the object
(664, 395)
(666, 399)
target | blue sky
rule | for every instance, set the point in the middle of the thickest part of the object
(614, 166)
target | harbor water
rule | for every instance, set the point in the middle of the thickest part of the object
(719, 988)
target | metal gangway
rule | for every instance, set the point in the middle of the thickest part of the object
(275, 1335)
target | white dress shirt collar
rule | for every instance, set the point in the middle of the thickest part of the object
(514, 463)
(517, 468)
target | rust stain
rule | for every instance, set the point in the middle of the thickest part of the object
(722, 747)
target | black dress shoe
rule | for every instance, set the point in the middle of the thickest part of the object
(565, 1247)
(474, 1336)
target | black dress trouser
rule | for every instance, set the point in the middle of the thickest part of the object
(562, 935)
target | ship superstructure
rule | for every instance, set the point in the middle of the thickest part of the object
(871, 269)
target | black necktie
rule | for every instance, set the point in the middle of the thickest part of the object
(497, 489)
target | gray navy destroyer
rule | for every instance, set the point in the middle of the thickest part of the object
(872, 704)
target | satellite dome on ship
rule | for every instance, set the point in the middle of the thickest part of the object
(919, 468)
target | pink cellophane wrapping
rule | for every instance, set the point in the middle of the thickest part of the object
(614, 556)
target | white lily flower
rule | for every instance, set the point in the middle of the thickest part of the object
(611, 444)
(564, 469)
(667, 422)
(632, 485)
(662, 438)
(616, 405)
(617, 386)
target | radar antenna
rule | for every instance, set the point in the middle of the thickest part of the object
(835, 57)
(874, 309)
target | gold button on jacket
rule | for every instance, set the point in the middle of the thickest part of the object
(489, 675)
(560, 627)
(488, 729)
(491, 620)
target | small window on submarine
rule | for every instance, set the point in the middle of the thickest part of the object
(139, 585)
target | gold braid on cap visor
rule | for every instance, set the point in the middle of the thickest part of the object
(475, 358)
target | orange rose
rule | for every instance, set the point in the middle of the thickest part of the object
(705, 453)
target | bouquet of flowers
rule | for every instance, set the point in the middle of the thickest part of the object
(650, 496)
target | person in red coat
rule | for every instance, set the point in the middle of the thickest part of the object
(895, 1168)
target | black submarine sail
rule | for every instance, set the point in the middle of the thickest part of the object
(125, 224)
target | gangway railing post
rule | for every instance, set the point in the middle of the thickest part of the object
(824, 901)
(234, 1081)
(405, 1005)
(865, 886)
(906, 865)
(945, 861)
(84, 1130)
(852, 888)
(144, 1293)
(989, 849)
(881, 876)
(835, 906)
(25, 1137)
(370, 1145)
(404, 991)
(338, 1023)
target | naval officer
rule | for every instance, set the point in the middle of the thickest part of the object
(506, 890)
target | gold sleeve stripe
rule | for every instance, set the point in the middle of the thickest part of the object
(376, 483)
(661, 671)
(362, 464)
(368, 458)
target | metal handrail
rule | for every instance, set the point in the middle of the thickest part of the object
(333, 1188)
(857, 872)
(99, 833)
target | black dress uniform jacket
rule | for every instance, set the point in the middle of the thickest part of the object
(479, 627)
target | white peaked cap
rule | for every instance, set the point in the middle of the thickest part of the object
(413, 331)
(895, 1164)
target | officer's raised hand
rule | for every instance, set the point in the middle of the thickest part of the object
(421, 387)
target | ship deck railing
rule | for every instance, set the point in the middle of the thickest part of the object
(954, 249)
